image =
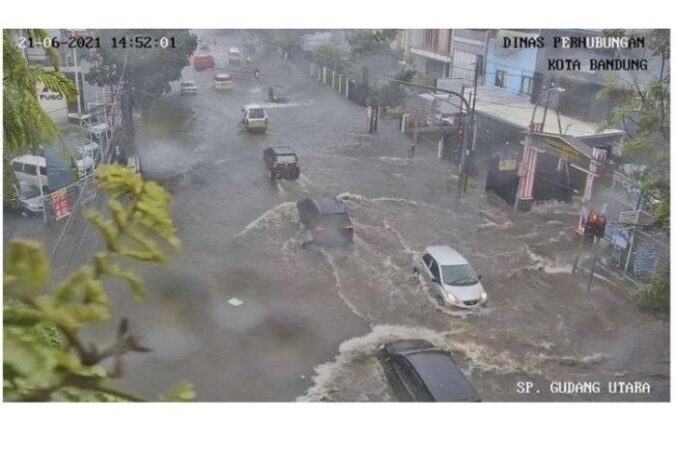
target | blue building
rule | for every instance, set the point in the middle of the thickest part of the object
(512, 69)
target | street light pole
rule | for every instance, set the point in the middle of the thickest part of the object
(464, 120)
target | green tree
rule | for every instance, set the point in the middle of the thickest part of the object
(25, 125)
(44, 356)
(643, 111)
(329, 56)
(371, 41)
(148, 70)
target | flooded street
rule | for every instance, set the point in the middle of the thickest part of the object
(246, 312)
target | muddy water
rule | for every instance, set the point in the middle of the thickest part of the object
(247, 312)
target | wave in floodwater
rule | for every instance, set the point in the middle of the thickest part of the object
(286, 105)
(356, 375)
(547, 265)
(280, 214)
(339, 284)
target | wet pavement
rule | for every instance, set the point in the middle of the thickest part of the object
(245, 312)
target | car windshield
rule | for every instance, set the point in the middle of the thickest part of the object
(286, 158)
(459, 275)
(188, 84)
(256, 113)
(29, 191)
(222, 77)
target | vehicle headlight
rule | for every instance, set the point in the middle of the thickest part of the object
(484, 296)
(451, 298)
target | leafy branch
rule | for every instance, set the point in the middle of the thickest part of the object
(39, 367)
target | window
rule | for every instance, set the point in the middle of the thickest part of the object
(526, 85)
(17, 166)
(427, 259)
(43, 170)
(500, 78)
(30, 169)
(434, 268)
(431, 39)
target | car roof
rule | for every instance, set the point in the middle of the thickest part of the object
(187, 82)
(234, 49)
(29, 159)
(443, 378)
(283, 150)
(222, 74)
(253, 106)
(328, 205)
(445, 255)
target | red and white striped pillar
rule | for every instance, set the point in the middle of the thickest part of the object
(524, 195)
(595, 164)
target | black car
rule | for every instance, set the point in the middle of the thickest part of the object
(281, 162)
(420, 372)
(326, 220)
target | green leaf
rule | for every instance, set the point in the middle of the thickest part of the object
(183, 391)
(24, 317)
(26, 268)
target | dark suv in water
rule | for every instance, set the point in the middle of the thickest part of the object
(420, 372)
(281, 162)
(326, 220)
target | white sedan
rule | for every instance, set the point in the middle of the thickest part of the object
(451, 279)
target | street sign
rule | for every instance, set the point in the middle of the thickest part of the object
(60, 204)
(507, 164)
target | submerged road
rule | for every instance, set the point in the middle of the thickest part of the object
(247, 314)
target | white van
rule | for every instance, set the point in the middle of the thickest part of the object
(26, 168)
(234, 56)
(222, 81)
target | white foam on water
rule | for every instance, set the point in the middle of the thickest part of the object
(490, 224)
(547, 265)
(400, 238)
(394, 160)
(286, 105)
(281, 213)
(339, 284)
(585, 361)
(342, 379)
(304, 182)
(280, 189)
(235, 301)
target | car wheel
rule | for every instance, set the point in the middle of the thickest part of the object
(416, 274)
(440, 300)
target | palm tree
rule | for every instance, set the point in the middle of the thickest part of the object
(25, 124)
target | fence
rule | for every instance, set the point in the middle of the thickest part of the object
(638, 251)
(352, 90)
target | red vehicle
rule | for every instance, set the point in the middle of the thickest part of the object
(201, 62)
(282, 162)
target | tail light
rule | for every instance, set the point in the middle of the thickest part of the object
(320, 230)
(349, 229)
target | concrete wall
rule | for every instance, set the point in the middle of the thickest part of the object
(515, 63)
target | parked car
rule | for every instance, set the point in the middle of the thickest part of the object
(281, 162)
(30, 199)
(188, 87)
(222, 81)
(27, 167)
(451, 279)
(255, 119)
(326, 220)
(202, 62)
(420, 372)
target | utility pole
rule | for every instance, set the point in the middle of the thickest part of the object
(465, 157)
